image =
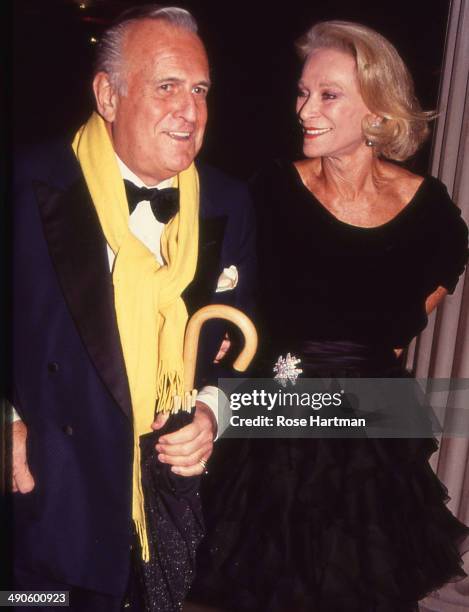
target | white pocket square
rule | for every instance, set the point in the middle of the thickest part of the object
(227, 280)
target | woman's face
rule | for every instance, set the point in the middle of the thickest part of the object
(329, 105)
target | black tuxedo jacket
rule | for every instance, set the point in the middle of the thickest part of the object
(69, 382)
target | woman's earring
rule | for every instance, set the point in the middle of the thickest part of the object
(368, 141)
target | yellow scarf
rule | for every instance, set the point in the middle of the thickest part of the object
(151, 316)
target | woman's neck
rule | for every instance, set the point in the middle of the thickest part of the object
(350, 177)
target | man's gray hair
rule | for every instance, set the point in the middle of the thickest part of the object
(109, 49)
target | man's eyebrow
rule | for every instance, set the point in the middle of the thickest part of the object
(170, 79)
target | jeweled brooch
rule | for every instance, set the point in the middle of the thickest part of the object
(285, 369)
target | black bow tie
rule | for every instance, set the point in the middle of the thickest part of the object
(164, 202)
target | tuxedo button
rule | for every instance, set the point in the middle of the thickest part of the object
(68, 429)
(53, 367)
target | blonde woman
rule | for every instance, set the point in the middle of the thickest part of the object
(355, 251)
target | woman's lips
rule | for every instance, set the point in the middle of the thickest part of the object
(315, 132)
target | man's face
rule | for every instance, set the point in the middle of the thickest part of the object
(159, 122)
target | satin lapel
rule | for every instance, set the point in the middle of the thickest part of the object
(78, 251)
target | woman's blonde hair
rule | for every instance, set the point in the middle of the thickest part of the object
(385, 85)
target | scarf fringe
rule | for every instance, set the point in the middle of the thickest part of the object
(141, 529)
(169, 385)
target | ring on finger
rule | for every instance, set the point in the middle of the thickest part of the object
(203, 463)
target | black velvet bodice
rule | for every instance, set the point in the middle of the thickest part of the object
(321, 278)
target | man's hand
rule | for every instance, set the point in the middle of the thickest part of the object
(183, 449)
(22, 479)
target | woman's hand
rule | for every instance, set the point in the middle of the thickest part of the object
(434, 299)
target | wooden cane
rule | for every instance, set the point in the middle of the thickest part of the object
(191, 341)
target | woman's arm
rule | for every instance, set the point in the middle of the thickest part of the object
(431, 303)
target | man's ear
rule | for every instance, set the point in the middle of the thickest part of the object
(106, 97)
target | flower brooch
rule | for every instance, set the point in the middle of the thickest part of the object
(285, 369)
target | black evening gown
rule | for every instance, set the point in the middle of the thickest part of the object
(335, 525)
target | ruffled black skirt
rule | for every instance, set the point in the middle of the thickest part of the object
(326, 525)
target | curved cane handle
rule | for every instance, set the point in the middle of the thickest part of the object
(191, 339)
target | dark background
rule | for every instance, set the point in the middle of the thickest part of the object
(254, 66)
(47, 80)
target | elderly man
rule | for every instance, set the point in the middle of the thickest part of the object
(101, 261)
